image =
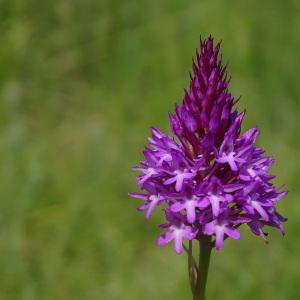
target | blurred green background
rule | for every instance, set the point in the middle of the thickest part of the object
(81, 82)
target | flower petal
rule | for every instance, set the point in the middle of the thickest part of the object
(232, 232)
(165, 238)
(219, 237)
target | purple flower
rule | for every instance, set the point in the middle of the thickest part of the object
(151, 201)
(177, 231)
(221, 227)
(209, 178)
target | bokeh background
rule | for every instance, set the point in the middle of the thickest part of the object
(81, 82)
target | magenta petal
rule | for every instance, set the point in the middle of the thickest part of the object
(232, 163)
(260, 210)
(179, 182)
(142, 207)
(190, 233)
(203, 203)
(138, 196)
(150, 209)
(209, 228)
(176, 207)
(164, 238)
(170, 180)
(215, 204)
(219, 237)
(178, 242)
(190, 211)
(232, 232)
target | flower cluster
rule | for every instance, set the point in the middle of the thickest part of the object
(210, 178)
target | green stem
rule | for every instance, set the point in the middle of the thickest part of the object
(204, 258)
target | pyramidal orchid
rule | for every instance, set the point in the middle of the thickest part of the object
(208, 178)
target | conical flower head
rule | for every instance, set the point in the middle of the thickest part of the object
(209, 178)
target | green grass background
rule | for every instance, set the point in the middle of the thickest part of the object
(81, 82)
